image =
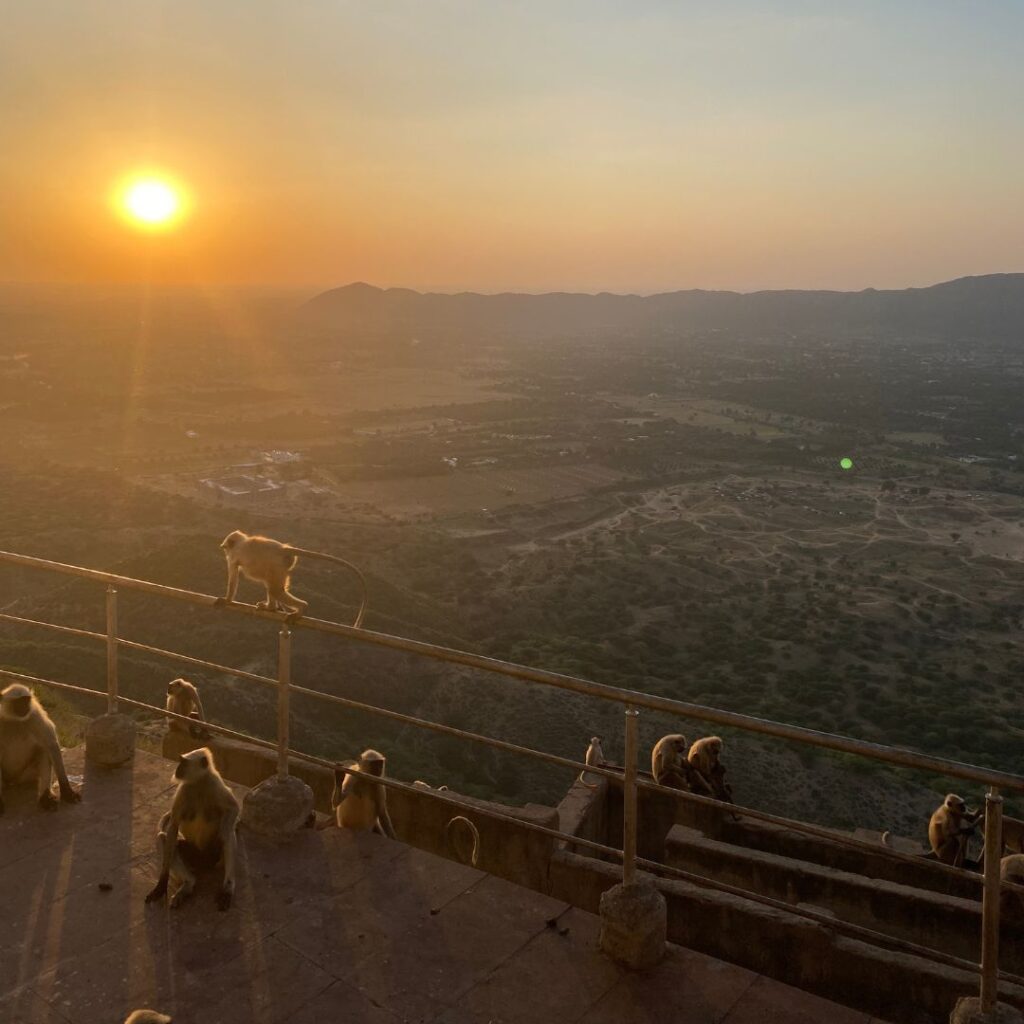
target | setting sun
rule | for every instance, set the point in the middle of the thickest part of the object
(151, 202)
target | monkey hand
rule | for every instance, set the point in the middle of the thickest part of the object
(224, 898)
(48, 801)
(220, 602)
(70, 795)
(158, 891)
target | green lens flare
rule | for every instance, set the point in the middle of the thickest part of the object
(846, 462)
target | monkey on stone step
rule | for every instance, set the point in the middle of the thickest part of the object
(359, 804)
(1011, 904)
(670, 767)
(183, 699)
(705, 757)
(270, 562)
(949, 829)
(29, 748)
(198, 831)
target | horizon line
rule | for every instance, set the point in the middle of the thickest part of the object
(320, 289)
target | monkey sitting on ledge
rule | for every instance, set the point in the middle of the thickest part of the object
(951, 826)
(670, 767)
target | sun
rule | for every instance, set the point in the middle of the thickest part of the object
(151, 201)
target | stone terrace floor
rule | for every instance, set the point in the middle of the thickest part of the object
(330, 927)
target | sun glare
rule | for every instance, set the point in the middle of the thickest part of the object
(151, 202)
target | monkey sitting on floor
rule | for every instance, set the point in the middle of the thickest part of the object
(198, 832)
(358, 803)
(951, 826)
(270, 562)
(29, 748)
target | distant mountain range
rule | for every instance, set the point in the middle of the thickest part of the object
(987, 307)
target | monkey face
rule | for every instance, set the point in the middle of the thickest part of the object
(193, 766)
(17, 708)
(232, 539)
(16, 702)
(372, 762)
(955, 803)
(173, 687)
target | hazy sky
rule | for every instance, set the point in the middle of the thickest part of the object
(454, 144)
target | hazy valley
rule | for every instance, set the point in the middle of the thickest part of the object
(646, 492)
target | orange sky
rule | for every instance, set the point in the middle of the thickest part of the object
(489, 145)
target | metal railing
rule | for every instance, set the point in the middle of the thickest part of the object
(629, 777)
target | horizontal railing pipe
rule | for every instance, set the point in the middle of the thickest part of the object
(55, 627)
(827, 741)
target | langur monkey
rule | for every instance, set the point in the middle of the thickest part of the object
(271, 563)
(147, 1017)
(198, 831)
(359, 804)
(705, 759)
(670, 767)
(183, 699)
(950, 828)
(1011, 904)
(595, 758)
(29, 748)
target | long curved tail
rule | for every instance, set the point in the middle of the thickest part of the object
(348, 565)
(448, 830)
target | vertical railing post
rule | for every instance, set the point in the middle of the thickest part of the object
(284, 681)
(111, 651)
(629, 794)
(990, 901)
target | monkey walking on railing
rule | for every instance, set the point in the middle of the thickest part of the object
(270, 562)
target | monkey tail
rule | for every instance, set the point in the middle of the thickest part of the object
(887, 838)
(474, 833)
(589, 785)
(365, 598)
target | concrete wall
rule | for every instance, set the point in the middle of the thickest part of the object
(932, 919)
(519, 855)
(895, 987)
